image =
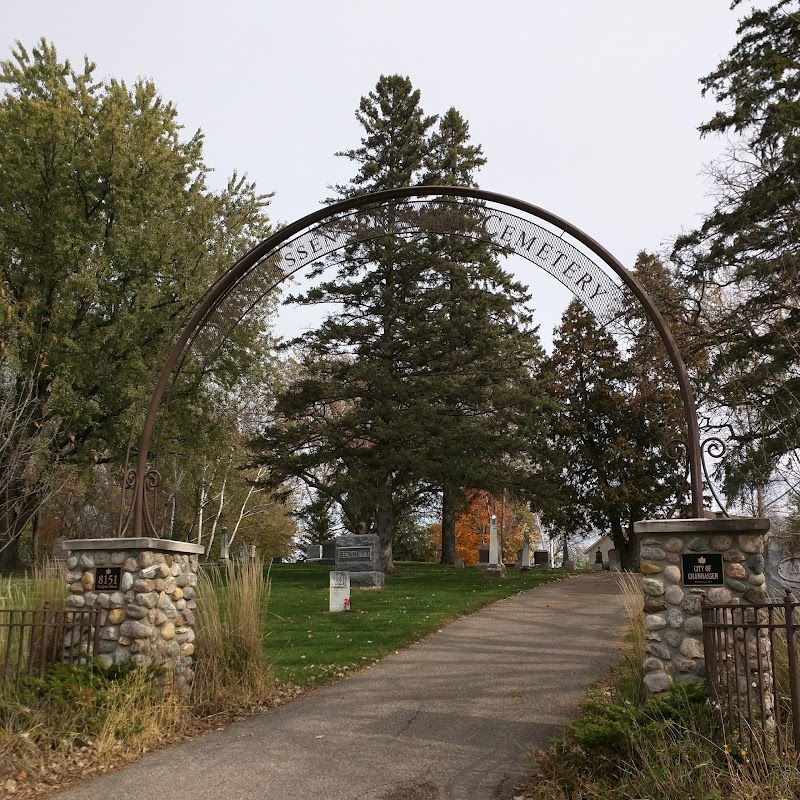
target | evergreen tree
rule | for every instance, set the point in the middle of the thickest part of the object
(109, 234)
(741, 265)
(417, 382)
(617, 412)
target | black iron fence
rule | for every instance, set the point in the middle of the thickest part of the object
(30, 640)
(753, 673)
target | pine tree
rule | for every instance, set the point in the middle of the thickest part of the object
(742, 264)
(617, 412)
(428, 370)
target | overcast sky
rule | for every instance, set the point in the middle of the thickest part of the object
(588, 108)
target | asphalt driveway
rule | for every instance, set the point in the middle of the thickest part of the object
(449, 718)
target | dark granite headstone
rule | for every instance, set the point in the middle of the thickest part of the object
(329, 550)
(313, 552)
(359, 554)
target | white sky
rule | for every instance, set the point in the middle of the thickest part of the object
(588, 108)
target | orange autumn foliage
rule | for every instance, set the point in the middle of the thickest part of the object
(472, 526)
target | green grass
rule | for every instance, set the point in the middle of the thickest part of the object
(305, 644)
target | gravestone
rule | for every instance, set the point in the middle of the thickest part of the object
(329, 551)
(614, 562)
(483, 555)
(494, 543)
(247, 552)
(458, 563)
(541, 559)
(313, 552)
(359, 554)
(339, 592)
(224, 546)
(495, 565)
(525, 557)
(598, 562)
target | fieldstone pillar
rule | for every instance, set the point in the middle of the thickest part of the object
(683, 561)
(145, 589)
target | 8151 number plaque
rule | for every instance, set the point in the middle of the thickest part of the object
(107, 579)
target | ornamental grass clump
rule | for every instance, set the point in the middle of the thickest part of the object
(630, 685)
(231, 616)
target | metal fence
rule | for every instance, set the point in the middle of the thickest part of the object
(753, 673)
(30, 640)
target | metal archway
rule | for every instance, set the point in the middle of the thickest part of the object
(332, 226)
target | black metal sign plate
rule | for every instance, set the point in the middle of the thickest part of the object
(107, 579)
(703, 569)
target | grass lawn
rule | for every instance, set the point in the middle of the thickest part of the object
(305, 644)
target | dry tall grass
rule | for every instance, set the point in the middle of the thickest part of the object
(630, 584)
(50, 584)
(231, 615)
(139, 714)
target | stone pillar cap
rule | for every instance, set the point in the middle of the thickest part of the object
(707, 526)
(142, 543)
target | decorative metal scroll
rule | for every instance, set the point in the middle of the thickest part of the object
(714, 447)
(600, 292)
(409, 212)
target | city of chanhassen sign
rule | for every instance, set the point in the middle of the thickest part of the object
(512, 235)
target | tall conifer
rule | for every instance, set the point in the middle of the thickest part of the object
(416, 382)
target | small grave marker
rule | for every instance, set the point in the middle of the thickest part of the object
(525, 557)
(340, 591)
(314, 552)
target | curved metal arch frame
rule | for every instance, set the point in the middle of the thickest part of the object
(219, 290)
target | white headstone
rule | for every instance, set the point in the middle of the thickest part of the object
(340, 591)
(494, 544)
(525, 561)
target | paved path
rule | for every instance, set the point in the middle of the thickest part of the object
(449, 718)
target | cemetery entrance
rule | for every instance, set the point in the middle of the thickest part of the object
(515, 227)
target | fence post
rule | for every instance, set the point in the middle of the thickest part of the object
(45, 640)
(791, 647)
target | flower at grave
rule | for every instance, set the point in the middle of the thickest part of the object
(347, 604)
